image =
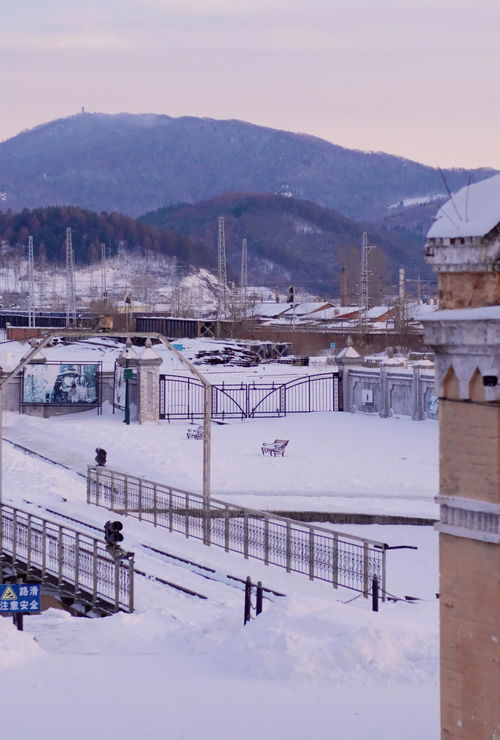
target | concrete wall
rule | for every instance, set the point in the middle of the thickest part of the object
(405, 392)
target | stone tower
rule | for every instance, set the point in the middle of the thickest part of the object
(463, 245)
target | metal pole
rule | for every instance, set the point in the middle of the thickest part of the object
(248, 600)
(127, 394)
(258, 605)
(207, 444)
(375, 594)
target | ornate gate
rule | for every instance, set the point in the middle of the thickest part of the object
(182, 397)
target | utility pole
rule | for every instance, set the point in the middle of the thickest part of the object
(221, 253)
(70, 281)
(364, 293)
(31, 283)
(343, 286)
(104, 287)
(244, 277)
(43, 259)
(402, 299)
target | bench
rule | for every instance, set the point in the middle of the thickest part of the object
(195, 433)
(274, 448)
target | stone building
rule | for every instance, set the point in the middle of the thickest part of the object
(463, 245)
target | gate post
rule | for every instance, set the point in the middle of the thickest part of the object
(148, 367)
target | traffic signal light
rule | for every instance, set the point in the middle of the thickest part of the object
(112, 533)
(100, 457)
(291, 291)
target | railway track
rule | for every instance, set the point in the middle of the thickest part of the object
(198, 569)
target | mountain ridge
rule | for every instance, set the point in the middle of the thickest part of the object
(135, 163)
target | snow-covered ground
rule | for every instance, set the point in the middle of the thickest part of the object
(334, 461)
(311, 666)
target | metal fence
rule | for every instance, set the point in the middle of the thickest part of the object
(75, 563)
(341, 559)
(181, 397)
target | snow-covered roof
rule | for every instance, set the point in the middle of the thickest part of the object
(473, 211)
(270, 309)
(336, 312)
(481, 313)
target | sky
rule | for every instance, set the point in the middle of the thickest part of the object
(417, 78)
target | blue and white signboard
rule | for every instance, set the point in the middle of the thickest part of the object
(18, 598)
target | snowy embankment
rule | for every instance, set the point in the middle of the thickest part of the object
(317, 664)
(309, 666)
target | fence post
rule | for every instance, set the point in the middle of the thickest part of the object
(384, 584)
(140, 499)
(248, 600)
(311, 554)
(187, 514)
(266, 540)
(365, 569)
(14, 536)
(97, 486)
(335, 561)
(117, 584)
(125, 500)
(88, 484)
(60, 555)
(258, 603)
(245, 533)
(226, 528)
(44, 548)
(375, 594)
(170, 510)
(288, 547)
(155, 505)
(28, 538)
(94, 572)
(77, 560)
(130, 576)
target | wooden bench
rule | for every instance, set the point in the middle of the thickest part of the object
(274, 448)
(195, 433)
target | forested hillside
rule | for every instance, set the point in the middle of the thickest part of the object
(291, 240)
(89, 230)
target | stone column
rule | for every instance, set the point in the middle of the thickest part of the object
(346, 358)
(418, 395)
(466, 339)
(129, 359)
(384, 393)
(149, 384)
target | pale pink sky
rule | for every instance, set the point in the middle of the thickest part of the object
(418, 78)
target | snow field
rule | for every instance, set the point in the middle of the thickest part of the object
(311, 666)
(182, 667)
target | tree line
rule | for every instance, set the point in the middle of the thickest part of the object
(90, 230)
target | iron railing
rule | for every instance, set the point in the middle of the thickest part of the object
(76, 564)
(320, 553)
(182, 397)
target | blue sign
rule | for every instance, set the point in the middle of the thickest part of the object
(18, 598)
(178, 347)
(333, 345)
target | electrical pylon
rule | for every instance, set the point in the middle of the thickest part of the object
(104, 286)
(244, 276)
(222, 288)
(31, 283)
(363, 283)
(70, 282)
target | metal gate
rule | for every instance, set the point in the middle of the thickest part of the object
(182, 397)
